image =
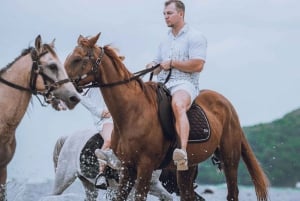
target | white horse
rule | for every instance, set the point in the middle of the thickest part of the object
(74, 157)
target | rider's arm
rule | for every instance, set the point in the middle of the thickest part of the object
(93, 102)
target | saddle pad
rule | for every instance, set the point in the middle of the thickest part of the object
(199, 125)
(89, 165)
(88, 161)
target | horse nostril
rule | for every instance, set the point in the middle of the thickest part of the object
(74, 99)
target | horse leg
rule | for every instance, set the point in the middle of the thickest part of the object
(142, 183)
(156, 188)
(126, 183)
(3, 175)
(198, 197)
(7, 150)
(185, 180)
(90, 191)
(64, 177)
(169, 180)
(230, 156)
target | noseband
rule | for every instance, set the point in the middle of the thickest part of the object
(36, 69)
(95, 62)
(94, 71)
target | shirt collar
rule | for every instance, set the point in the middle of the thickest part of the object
(183, 30)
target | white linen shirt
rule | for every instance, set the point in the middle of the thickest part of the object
(94, 102)
(188, 44)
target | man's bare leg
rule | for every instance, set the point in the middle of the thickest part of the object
(180, 103)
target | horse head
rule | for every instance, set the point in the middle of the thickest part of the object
(48, 76)
(86, 64)
(37, 71)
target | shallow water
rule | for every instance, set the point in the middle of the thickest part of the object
(40, 191)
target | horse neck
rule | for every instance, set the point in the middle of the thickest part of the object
(14, 102)
(121, 98)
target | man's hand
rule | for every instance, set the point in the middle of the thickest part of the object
(166, 65)
(150, 65)
(105, 114)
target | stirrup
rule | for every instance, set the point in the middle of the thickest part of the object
(102, 186)
(216, 161)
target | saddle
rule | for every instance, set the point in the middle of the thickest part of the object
(199, 125)
(88, 160)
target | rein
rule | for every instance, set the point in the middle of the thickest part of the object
(94, 72)
(136, 76)
(16, 86)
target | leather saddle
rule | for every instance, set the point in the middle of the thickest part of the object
(199, 125)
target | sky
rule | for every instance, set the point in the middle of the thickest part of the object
(252, 57)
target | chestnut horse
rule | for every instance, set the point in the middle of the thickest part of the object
(36, 71)
(138, 138)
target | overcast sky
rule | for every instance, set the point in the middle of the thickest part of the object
(252, 56)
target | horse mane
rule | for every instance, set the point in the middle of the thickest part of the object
(23, 53)
(112, 53)
(50, 49)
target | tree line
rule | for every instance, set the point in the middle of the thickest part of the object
(276, 146)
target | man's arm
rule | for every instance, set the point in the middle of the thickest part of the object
(92, 104)
(157, 70)
(190, 66)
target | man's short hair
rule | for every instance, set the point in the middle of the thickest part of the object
(179, 4)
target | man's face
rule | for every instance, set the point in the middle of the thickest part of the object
(172, 16)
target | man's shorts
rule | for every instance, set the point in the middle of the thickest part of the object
(183, 85)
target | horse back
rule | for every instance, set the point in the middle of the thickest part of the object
(216, 106)
(222, 116)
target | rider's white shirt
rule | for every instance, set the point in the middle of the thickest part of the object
(94, 102)
(187, 44)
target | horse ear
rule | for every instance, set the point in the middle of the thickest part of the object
(94, 40)
(79, 39)
(122, 58)
(52, 44)
(38, 43)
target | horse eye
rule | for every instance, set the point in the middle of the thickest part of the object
(53, 67)
(76, 60)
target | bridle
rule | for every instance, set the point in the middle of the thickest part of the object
(94, 71)
(36, 69)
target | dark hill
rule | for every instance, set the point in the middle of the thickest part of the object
(277, 147)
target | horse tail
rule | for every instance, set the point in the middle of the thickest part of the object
(259, 179)
(57, 148)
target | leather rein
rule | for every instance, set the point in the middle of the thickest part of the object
(36, 70)
(94, 72)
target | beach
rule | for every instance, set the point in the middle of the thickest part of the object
(41, 191)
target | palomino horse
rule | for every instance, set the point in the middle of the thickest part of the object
(138, 138)
(74, 157)
(37, 70)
